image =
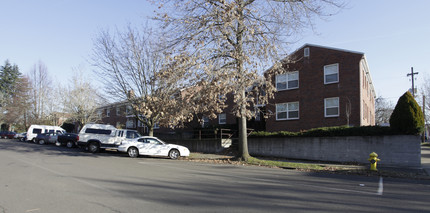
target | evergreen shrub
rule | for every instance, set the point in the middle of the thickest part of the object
(407, 117)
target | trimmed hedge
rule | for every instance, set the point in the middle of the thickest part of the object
(331, 132)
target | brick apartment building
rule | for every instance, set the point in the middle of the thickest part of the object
(120, 115)
(322, 87)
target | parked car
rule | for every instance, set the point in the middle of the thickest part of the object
(44, 138)
(68, 139)
(96, 137)
(7, 134)
(34, 130)
(21, 136)
(152, 146)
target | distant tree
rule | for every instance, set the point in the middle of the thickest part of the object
(19, 105)
(407, 116)
(425, 91)
(383, 110)
(9, 81)
(41, 89)
(80, 99)
(133, 68)
(9, 75)
(230, 42)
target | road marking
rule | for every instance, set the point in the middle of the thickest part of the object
(381, 186)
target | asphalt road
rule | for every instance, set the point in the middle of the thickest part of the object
(45, 178)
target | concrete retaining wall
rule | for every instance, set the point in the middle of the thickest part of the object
(206, 145)
(398, 150)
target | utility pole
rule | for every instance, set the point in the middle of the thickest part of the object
(424, 113)
(412, 76)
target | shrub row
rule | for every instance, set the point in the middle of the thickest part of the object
(331, 132)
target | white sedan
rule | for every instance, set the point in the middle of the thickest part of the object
(153, 146)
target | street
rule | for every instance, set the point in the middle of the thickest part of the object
(45, 178)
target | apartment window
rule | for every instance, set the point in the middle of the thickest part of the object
(287, 111)
(118, 110)
(205, 122)
(331, 73)
(306, 52)
(331, 106)
(99, 114)
(222, 118)
(107, 112)
(287, 81)
(129, 110)
(130, 124)
(257, 115)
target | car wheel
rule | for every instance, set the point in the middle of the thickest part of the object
(21, 139)
(70, 144)
(34, 140)
(41, 142)
(174, 154)
(57, 143)
(93, 147)
(133, 152)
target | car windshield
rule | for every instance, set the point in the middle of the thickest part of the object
(152, 141)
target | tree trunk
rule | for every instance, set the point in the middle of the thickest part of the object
(150, 130)
(243, 140)
(243, 137)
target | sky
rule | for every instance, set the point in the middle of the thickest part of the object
(393, 34)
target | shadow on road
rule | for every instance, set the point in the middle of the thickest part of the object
(51, 149)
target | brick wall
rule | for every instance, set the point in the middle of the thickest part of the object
(312, 91)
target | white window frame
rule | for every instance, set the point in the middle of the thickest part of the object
(129, 111)
(257, 115)
(326, 72)
(327, 107)
(107, 113)
(287, 110)
(99, 114)
(130, 123)
(118, 110)
(287, 75)
(306, 52)
(222, 118)
(205, 122)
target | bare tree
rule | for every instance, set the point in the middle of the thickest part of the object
(348, 110)
(425, 91)
(383, 111)
(41, 88)
(80, 99)
(230, 42)
(132, 67)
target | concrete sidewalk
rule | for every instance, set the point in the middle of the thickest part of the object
(422, 172)
(425, 158)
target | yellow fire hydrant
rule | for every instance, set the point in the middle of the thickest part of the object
(373, 159)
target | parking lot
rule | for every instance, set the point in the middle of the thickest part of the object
(46, 178)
